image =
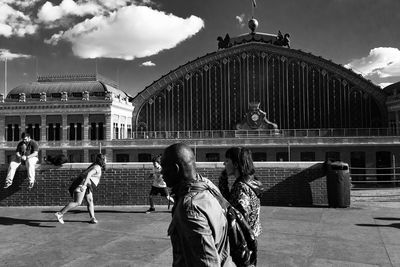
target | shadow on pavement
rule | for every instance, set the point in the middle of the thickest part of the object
(108, 211)
(34, 223)
(394, 225)
(387, 218)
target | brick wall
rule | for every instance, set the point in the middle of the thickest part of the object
(286, 183)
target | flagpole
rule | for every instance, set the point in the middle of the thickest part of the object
(5, 77)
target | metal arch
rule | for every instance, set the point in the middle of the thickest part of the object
(270, 50)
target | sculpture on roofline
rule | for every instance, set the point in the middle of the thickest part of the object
(22, 97)
(224, 42)
(85, 96)
(1, 98)
(64, 96)
(282, 40)
(43, 96)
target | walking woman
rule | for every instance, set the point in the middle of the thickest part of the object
(246, 189)
(82, 187)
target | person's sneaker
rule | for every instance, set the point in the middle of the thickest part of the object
(59, 217)
(150, 210)
(7, 184)
(31, 184)
(93, 220)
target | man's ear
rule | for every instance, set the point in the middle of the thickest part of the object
(176, 168)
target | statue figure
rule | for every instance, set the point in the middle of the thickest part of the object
(1, 98)
(85, 96)
(108, 96)
(43, 96)
(22, 97)
(282, 40)
(224, 42)
(64, 96)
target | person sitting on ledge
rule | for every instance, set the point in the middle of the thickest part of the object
(27, 154)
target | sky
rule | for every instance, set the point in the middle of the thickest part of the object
(135, 42)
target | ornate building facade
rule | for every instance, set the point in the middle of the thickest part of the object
(67, 114)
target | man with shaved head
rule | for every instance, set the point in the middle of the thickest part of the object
(199, 228)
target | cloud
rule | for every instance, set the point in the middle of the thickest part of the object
(148, 64)
(127, 33)
(24, 4)
(382, 62)
(14, 22)
(383, 85)
(49, 13)
(6, 54)
(240, 19)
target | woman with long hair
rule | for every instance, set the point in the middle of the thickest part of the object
(82, 188)
(246, 189)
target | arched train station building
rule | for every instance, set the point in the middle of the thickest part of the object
(283, 103)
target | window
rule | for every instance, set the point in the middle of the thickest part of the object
(72, 134)
(36, 132)
(93, 131)
(116, 130)
(10, 132)
(144, 157)
(260, 156)
(212, 157)
(122, 157)
(307, 156)
(100, 131)
(282, 156)
(332, 156)
(79, 131)
(54, 132)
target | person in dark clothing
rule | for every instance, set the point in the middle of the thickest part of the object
(246, 189)
(199, 228)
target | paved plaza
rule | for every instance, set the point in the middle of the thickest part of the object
(366, 234)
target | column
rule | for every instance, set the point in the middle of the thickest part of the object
(64, 127)
(43, 128)
(2, 128)
(397, 122)
(86, 128)
(108, 127)
(23, 123)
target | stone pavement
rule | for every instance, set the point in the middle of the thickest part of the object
(366, 234)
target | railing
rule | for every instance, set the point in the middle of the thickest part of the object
(375, 177)
(329, 132)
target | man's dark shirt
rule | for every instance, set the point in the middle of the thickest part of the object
(27, 149)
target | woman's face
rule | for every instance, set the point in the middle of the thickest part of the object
(229, 167)
(157, 167)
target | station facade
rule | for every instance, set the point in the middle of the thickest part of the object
(282, 103)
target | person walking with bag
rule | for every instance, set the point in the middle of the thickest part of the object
(246, 190)
(82, 188)
(199, 227)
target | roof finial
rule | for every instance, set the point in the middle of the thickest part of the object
(253, 23)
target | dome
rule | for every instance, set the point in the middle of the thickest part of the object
(55, 84)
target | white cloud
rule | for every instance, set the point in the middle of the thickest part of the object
(129, 32)
(148, 64)
(383, 85)
(21, 3)
(49, 13)
(14, 22)
(6, 54)
(240, 19)
(382, 62)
